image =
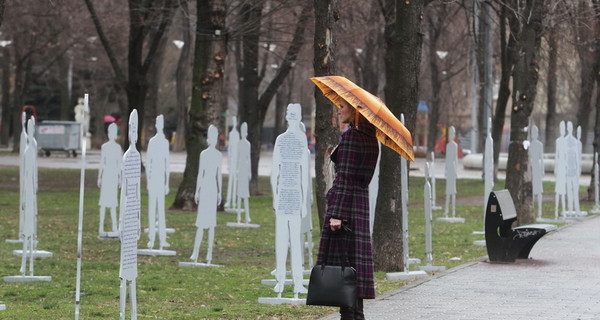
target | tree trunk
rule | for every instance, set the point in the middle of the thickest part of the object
(22, 80)
(403, 56)
(181, 78)
(208, 70)
(525, 77)
(152, 94)
(251, 15)
(144, 19)
(326, 121)
(65, 97)
(436, 84)
(2, 6)
(256, 116)
(596, 143)
(6, 107)
(507, 54)
(551, 90)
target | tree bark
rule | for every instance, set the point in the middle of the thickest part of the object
(208, 70)
(2, 6)
(551, 91)
(525, 77)
(596, 143)
(436, 83)
(403, 38)
(326, 120)
(249, 83)
(144, 19)
(256, 110)
(181, 77)
(507, 56)
(6, 107)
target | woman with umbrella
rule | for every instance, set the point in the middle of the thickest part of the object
(346, 225)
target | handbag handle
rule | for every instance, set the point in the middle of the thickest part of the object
(344, 230)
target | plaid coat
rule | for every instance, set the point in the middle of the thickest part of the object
(355, 158)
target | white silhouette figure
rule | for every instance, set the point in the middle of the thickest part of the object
(208, 194)
(157, 173)
(306, 225)
(451, 167)
(22, 146)
(560, 170)
(289, 183)
(129, 218)
(536, 160)
(232, 153)
(374, 191)
(580, 151)
(573, 169)
(109, 178)
(244, 174)
(29, 199)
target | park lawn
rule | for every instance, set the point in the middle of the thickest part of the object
(167, 291)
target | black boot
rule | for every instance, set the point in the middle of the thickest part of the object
(358, 310)
(346, 313)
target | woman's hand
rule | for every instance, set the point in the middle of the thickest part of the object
(335, 224)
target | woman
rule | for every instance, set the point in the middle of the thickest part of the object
(355, 158)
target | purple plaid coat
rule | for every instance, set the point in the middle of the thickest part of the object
(355, 158)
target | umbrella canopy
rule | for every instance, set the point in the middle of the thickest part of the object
(389, 130)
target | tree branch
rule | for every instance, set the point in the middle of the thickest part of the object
(121, 79)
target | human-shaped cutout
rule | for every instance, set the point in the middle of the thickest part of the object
(82, 115)
(244, 174)
(289, 183)
(306, 227)
(374, 191)
(536, 160)
(129, 218)
(560, 170)
(109, 179)
(208, 194)
(232, 156)
(572, 165)
(427, 203)
(596, 208)
(579, 159)
(450, 172)
(29, 199)
(434, 206)
(488, 168)
(157, 173)
(22, 146)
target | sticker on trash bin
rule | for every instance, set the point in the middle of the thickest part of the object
(51, 129)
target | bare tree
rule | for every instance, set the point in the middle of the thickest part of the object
(582, 20)
(442, 37)
(551, 88)
(528, 16)
(207, 91)
(326, 126)
(2, 5)
(181, 78)
(148, 22)
(253, 106)
(507, 56)
(403, 36)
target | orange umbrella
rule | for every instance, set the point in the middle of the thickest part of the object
(389, 130)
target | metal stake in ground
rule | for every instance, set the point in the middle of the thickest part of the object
(80, 223)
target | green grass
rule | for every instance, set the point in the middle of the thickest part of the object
(165, 290)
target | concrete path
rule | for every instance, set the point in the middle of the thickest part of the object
(561, 280)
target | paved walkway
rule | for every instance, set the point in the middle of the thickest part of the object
(561, 280)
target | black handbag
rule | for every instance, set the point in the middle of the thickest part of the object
(332, 285)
